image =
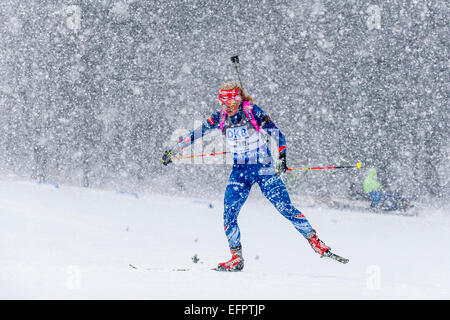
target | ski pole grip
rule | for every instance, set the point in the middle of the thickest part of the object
(235, 59)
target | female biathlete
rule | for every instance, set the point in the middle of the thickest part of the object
(241, 122)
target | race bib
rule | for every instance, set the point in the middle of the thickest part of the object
(238, 133)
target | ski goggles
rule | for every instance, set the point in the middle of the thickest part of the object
(229, 97)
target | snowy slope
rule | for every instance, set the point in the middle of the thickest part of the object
(75, 243)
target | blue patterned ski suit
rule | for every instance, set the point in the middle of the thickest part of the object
(253, 163)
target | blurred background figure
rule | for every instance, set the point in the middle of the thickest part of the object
(381, 198)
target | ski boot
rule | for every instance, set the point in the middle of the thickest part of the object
(324, 250)
(318, 245)
(236, 263)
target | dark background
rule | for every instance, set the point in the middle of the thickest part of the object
(92, 92)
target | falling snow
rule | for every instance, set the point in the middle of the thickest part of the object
(92, 92)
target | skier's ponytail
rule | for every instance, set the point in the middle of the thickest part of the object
(234, 85)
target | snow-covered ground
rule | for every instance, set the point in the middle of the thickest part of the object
(75, 243)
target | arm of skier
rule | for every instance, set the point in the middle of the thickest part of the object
(207, 127)
(263, 120)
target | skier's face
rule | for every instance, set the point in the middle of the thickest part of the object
(230, 99)
(232, 107)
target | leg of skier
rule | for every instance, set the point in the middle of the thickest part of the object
(236, 194)
(274, 189)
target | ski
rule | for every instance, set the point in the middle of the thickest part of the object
(333, 256)
(224, 270)
(177, 269)
(159, 269)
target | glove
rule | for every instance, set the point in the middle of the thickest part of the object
(280, 164)
(167, 157)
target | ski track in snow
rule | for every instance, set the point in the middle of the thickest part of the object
(75, 243)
